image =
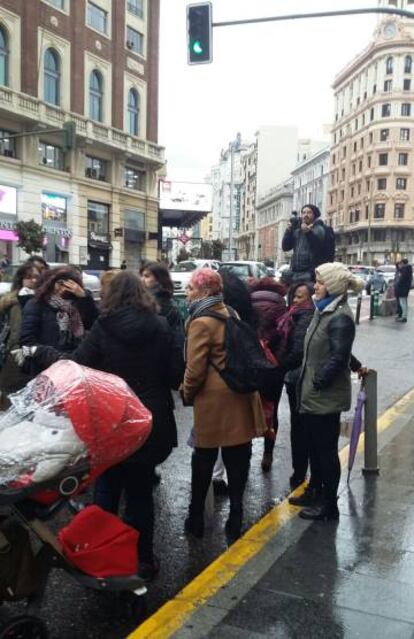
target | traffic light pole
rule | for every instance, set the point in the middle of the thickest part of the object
(320, 14)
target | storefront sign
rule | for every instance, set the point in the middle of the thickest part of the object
(99, 240)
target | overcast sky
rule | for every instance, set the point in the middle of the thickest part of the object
(275, 73)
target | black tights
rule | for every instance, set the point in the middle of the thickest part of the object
(323, 435)
(236, 460)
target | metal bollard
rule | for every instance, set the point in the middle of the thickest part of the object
(371, 306)
(371, 416)
(376, 303)
(358, 308)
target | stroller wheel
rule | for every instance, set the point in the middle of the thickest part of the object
(134, 606)
(24, 627)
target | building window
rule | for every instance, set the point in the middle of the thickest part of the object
(96, 96)
(383, 159)
(344, 152)
(384, 135)
(401, 184)
(133, 112)
(389, 64)
(59, 4)
(369, 159)
(135, 41)
(374, 89)
(379, 211)
(7, 145)
(50, 156)
(371, 114)
(95, 168)
(407, 84)
(386, 110)
(408, 63)
(136, 7)
(404, 135)
(98, 218)
(356, 124)
(382, 184)
(4, 57)
(134, 219)
(97, 18)
(134, 178)
(353, 168)
(371, 137)
(360, 166)
(52, 77)
(406, 108)
(355, 147)
(361, 143)
(379, 235)
(387, 86)
(402, 159)
(399, 211)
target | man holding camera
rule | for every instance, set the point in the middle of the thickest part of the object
(306, 237)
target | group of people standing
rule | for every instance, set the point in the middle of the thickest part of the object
(137, 333)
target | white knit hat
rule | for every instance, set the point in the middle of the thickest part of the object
(338, 278)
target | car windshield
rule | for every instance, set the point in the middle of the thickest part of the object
(361, 271)
(184, 267)
(242, 270)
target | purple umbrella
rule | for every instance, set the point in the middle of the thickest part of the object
(356, 428)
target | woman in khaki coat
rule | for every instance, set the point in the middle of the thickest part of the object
(222, 418)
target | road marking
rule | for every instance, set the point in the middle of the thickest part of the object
(173, 615)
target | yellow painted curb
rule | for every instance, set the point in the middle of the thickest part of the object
(172, 615)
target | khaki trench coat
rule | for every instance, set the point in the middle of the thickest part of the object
(221, 417)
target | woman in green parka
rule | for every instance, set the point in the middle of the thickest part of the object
(12, 378)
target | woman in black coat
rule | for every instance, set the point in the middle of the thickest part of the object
(292, 329)
(60, 312)
(131, 340)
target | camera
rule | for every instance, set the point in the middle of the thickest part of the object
(294, 220)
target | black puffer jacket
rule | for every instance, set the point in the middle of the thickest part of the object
(39, 323)
(403, 279)
(307, 247)
(139, 347)
(292, 359)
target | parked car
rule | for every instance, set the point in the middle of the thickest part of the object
(245, 269)
(361, 270)
(388, 270)
(181, 272)
(90, 282)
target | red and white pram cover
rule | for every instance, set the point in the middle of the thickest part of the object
(67, 415)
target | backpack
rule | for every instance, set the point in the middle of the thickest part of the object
(247, 368)
(328, 249)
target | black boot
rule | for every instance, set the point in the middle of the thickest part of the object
(194, 525)
(310, 497)
(233, 526)
(326, 511)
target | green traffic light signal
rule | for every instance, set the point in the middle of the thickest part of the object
(197, 47)
(199, 32)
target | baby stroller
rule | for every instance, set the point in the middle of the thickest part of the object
(63, 430)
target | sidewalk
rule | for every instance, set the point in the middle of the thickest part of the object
(287, 578)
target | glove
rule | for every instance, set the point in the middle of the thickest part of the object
(21, 354)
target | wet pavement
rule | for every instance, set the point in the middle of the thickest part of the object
(348, 579)
(71, 611)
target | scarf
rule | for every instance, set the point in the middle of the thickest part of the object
(323, 303)
(68, 319)
(199, 306)
(286, 324)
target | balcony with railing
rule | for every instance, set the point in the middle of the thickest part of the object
(33, 110)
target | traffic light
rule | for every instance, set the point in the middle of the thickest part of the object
(69, 136)
(199, 33)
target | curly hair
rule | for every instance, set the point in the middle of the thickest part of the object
(49, 278)
(126, 289)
